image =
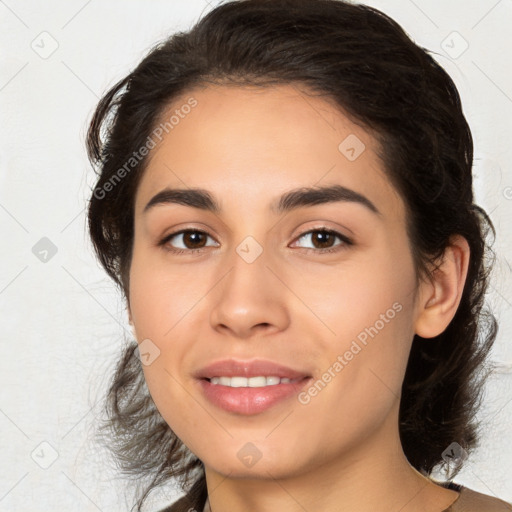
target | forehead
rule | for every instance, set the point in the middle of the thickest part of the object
(250, 144)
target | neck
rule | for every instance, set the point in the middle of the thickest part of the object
(369, 477)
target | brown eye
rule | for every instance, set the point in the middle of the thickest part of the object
(322, 239)
(193, 239)
(325, 239)
(186, 240)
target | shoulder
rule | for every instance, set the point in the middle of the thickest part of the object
(468, 501)
(474, 501)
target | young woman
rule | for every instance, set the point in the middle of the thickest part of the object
(285, 200)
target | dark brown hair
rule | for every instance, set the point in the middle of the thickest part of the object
(362, 61)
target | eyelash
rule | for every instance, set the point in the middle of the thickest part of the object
(347, 242)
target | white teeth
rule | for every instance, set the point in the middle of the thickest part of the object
(251, 382)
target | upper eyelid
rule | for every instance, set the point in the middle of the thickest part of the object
(343, 237)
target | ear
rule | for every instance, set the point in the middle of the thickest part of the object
(440, 297)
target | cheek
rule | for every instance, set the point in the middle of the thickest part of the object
(167, 308)
(364, 311)
(161, 295)
(356, 295)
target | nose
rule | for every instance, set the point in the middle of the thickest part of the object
(251, 299)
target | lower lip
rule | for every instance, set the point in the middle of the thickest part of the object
(247, 400)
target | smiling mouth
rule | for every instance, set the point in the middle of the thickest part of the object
(250, 395)
(252, 382)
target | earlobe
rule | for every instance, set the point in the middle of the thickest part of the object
(440, 297)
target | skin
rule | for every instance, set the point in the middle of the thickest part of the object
(291, 305)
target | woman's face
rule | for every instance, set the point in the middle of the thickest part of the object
(259, 286)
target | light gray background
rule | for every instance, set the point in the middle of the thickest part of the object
(63, 321)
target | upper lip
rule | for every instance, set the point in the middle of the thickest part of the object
(252, 368)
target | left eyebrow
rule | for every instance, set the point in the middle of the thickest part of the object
(293, 199)
(312, 196)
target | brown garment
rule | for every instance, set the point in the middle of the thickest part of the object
(473, 501)
(467, 501)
